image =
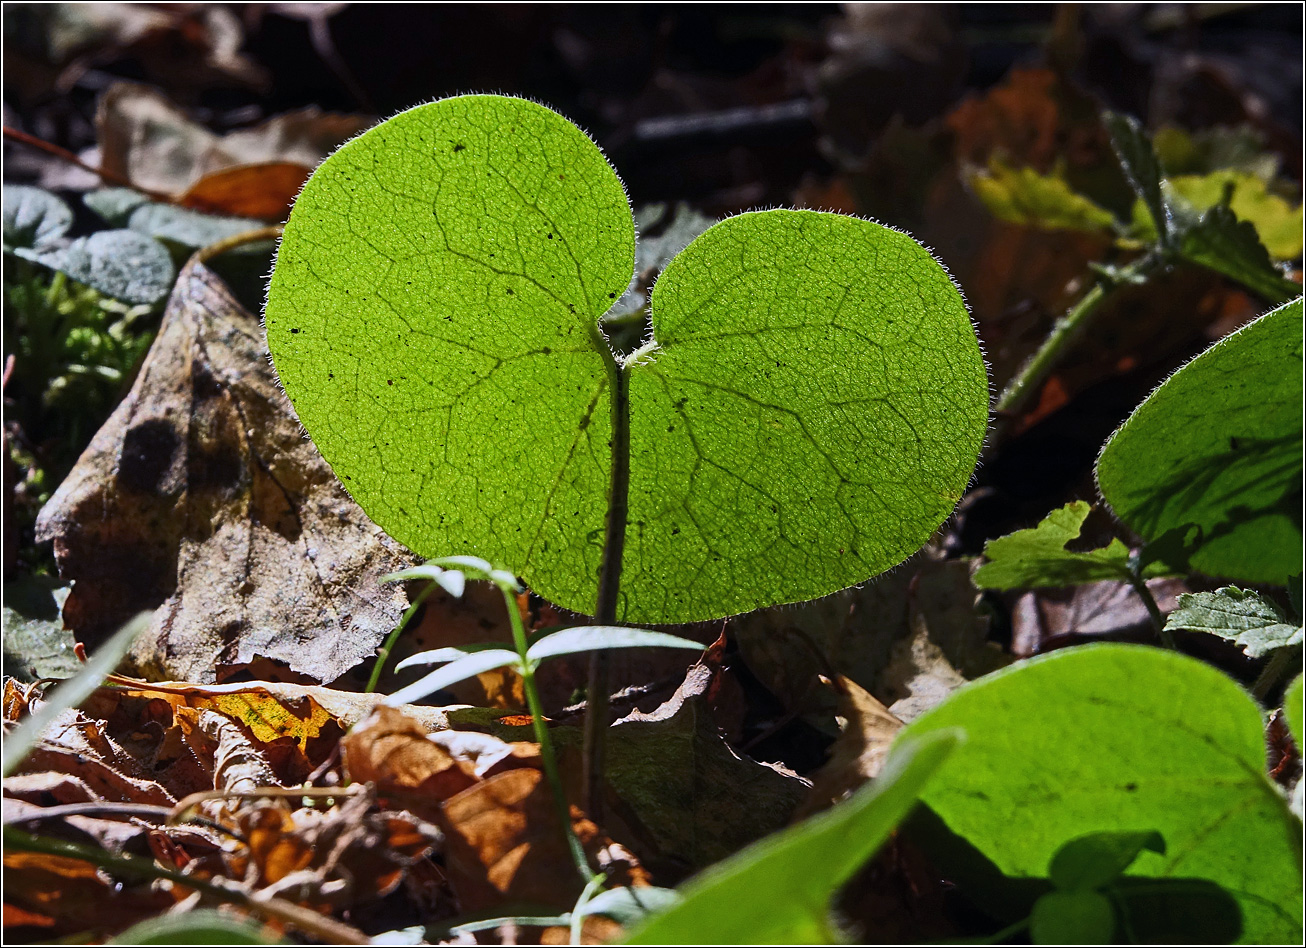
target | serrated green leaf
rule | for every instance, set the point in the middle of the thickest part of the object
(811, 411)
(1277, 223)
(1028, 559)
(1239, 615)
(1219, 148)
(1109, 737)
(586, 638)
(1023, 196)
(1221, 242)
(778, 890)
(1073, 918)
(119, 263)
(1141, 167)
(1098, 859)
(33, 217)
(1219, 445)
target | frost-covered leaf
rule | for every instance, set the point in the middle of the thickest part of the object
(1219, 446)
(114, 205)
(1240, 615)
(33, 217)
(1028, 559)
(811, 411)
(120, 263)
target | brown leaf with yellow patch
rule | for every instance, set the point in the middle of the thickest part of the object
(200, 498)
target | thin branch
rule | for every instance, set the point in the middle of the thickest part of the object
(64, 154)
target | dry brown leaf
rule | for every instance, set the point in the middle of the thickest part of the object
(147, 139)
(392, 751)
(200, 498)
(859, 752)
(264, 191)
(503, 843)
(74, 896)
(682, 788)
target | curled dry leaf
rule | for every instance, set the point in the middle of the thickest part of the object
(682, 787)
(392, 751)
(503, 843)
(61, 897)
(200, 498)
(251, 172)
(858, 753)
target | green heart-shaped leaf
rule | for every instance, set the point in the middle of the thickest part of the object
(809, 410)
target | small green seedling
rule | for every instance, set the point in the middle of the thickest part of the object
(807, 410)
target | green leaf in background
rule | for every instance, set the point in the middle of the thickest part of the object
(810, 411)
(1028, 559)
(1023, 196)
(120, 263)
(33, 217)
(1239, 615)
(1140, 165)
(1221, 242)
(70, 693)
(1219, 445)
(1112, 738)
(1294, 707)
(1278, 224)
(200, 926)
(778, 891)
(36, 644)
(1219, 148)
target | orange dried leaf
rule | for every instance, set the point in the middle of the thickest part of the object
(264, 191)
(392, 751)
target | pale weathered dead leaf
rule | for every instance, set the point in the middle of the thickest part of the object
(200, 498)
(948, 644)
(858, 753)
(149, 140)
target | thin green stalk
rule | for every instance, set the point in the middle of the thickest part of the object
(320, 926)
(1283, 662)
(1153, 610)
(605, 609)
(1067, 331)
(393, 638)
(547, 756)
(577, 912)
